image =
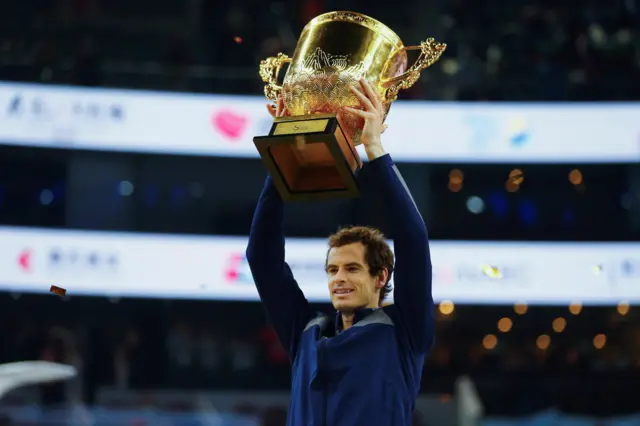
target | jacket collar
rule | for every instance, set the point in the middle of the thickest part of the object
(359, 315)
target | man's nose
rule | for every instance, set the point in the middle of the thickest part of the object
(340, 276)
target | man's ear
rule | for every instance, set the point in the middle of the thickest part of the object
(381, 279)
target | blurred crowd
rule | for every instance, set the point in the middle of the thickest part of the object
(524, 50)
(545, 50)
(146, 344)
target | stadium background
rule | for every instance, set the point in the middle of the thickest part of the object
(173, 337)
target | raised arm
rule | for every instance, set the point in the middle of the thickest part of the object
(413, 300)
(412, 283)
(286, 306)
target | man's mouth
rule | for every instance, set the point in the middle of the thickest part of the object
(343, 290)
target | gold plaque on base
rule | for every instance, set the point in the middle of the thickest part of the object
(309, 157)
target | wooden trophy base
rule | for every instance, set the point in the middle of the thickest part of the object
(310, 158)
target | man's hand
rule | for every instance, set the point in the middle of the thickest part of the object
(373, 115)
(279, 109)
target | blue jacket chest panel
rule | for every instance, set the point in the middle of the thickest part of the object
(370, 342)
(360, 371)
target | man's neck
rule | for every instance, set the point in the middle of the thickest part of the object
(349, 317)
(347, 320)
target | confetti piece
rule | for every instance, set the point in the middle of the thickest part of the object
(58, 290)
(237, 39)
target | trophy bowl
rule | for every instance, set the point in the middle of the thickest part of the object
(334, 52)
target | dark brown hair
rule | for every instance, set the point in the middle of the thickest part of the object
(377, 254)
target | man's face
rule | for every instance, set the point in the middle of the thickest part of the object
(350, 285)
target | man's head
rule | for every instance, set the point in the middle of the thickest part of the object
(359, 266)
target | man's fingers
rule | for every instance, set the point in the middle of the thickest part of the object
(358, 112)
(354, 111)
(364, 101)
(280, 107)
(373, 96)
(272, 110)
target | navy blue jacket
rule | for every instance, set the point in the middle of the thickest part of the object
(370, 373)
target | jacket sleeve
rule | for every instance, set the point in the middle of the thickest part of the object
(286, 305)
(413, 298)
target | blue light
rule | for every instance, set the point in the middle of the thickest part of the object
(499, 204)
(46, 197)
(528, 212)
(475, 205)
(125, 188)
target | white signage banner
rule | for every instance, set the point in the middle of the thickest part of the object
(121, 265)
(217, 125)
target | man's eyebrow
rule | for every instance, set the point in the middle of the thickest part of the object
(348, 264)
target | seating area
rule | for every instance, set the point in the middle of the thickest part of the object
(525, 51)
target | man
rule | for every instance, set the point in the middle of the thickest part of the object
(363, 366)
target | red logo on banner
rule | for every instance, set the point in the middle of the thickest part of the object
(230, 124)
(24, 260)
(232, 271)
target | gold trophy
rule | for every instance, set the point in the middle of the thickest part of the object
(311, 154)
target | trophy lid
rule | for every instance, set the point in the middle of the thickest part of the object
(357, 18)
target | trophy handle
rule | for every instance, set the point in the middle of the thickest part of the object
(269, 70)
(430, 52)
